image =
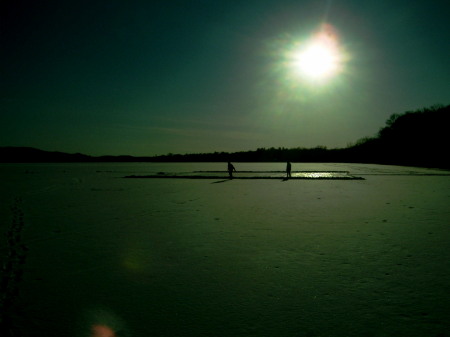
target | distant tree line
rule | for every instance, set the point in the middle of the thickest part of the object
(414, 138)
(417, 138)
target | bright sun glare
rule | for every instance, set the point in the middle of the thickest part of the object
(319, 58)
(316, 61)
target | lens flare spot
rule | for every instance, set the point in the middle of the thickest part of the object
(100, 330)
(102, 322)
(136, 260)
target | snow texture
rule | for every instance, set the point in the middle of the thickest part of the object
(189, 257)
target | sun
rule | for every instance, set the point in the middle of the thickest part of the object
(317, 59)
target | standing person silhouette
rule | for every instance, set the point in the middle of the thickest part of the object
(288, 170)
(230, 170)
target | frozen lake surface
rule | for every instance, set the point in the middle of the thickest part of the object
(241, 257)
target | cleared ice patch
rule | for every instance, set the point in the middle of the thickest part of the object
(345, 175)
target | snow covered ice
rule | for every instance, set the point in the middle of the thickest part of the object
(188, 257)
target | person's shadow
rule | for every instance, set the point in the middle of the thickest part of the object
(220, 181)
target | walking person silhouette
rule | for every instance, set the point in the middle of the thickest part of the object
(231, 169)
(288, 170)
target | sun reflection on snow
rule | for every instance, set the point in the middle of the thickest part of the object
(318, 175)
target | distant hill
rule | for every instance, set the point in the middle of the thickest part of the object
(417, 138)
(12, 154)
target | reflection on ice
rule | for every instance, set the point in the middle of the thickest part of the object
(318, 175)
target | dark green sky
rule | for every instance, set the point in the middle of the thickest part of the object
(152, 77)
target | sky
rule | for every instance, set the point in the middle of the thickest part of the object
(149, 78)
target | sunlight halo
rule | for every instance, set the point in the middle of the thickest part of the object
(318, 58)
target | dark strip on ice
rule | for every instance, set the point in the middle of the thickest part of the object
(316, 175)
